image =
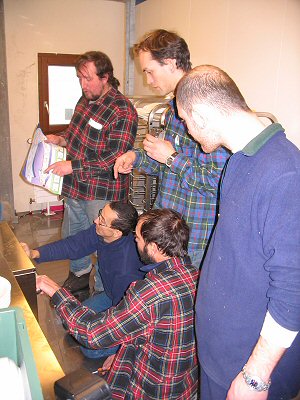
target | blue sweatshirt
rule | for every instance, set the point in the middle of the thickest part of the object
(253, 260)
(119, 263)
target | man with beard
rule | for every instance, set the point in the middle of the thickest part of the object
(102, 128)
(153, 323)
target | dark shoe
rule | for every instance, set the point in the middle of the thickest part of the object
(82, 295)
(74, 283)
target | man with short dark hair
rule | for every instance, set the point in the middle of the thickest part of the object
(188, 178)
(112, 238)
(154, 323)
(248, 303)
(103, 127)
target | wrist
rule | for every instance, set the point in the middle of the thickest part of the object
(170, 159)
(34, 254)
(255, 382)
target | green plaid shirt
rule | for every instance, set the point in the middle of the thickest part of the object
(190, 186)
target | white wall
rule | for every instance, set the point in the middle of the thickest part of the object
(256, 41)
(51, 26)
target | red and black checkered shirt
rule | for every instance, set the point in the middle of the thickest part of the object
(154, 324)
(98, 133)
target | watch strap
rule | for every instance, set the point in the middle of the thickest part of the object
(255, 382)
(170, 159)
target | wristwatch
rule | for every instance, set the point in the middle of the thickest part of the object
(170, 159)
(255, 382)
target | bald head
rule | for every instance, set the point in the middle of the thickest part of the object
(207, 84)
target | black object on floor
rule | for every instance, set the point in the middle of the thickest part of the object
(82, 385)
(76, 283)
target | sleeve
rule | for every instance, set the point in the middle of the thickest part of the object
(276, 334)
(128, 320)
(281, 238)
(100, 160)
(144, 163)
(71, 248)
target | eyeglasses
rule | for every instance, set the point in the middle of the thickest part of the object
(101, 220)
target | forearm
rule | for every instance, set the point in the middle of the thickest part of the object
(259, 367)
(264, 359)
(144, 163)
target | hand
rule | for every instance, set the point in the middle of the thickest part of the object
(158, 149)
(46, 285)
(55, 139)
(239, 390)
(60, 168)
(25, 248)
(124, 163)
(108, 362)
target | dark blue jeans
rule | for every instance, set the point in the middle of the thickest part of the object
(98, 303)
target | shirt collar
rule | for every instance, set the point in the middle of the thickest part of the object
(150, 267)
(257, 143)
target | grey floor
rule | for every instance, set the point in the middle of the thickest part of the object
(36, 230)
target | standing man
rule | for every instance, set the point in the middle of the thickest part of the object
(188, 178)
(102, 128)
(248, 303)
(154, 323)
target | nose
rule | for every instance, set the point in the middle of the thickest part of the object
(83, 84)
(149, 79)
(96, 220)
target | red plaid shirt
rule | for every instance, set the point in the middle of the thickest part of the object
(154, 324)
(98, 133)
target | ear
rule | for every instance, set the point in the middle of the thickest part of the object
(171, 62)
(117, 234)
(153, 249)
(199, 116)
(104, 79)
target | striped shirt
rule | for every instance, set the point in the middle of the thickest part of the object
(154, 323)
(190, 186)
(98, 133)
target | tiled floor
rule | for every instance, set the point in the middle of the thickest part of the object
(36, 230)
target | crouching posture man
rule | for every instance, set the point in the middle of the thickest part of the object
(153, 323)
(118, 260)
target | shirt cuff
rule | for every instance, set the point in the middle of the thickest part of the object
(138, 160)
(60, 297)
(276, 334)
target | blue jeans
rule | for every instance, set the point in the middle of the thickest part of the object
(78, 216)
(99, 302)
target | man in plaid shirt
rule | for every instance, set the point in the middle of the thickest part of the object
(154, 323)
(102, 128)
(188, 177)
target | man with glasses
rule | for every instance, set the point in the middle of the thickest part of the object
(112, 238)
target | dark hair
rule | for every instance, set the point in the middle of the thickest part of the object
(167, 229)
(210, 85)
(164, 44)
(102, 63)
(127, 217)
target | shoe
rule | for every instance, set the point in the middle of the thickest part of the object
(82, 295)
(76, 283)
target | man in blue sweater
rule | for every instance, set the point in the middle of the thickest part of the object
(248, 303)
(118, 260)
